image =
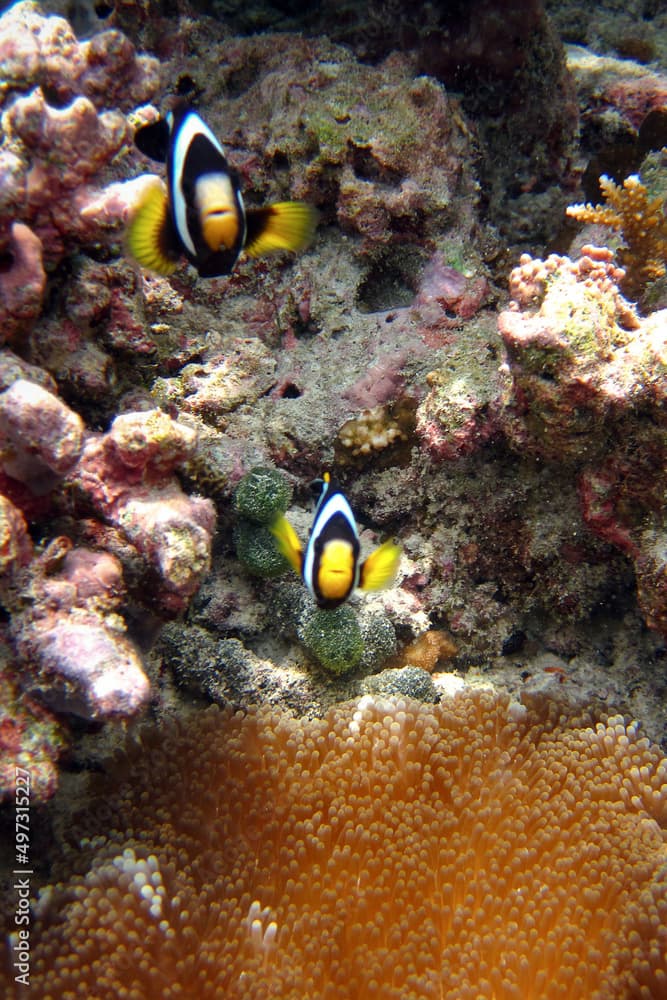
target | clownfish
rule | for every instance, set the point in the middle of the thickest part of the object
(201, 214)
(330, 566)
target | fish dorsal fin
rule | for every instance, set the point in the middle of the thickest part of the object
(150, 236)
(153, 140)
(380, 568)
(287, 225)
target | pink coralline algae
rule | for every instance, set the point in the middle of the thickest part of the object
(72, 654)
(22, 285)
(445, 297)
(618, 87)
(589, 389)
(65, 602)
(127, 475)
(57, 141)
(30, 737)
(41, 436)
(71, 643)
(63, 649)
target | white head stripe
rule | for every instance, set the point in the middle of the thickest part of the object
(191, 126)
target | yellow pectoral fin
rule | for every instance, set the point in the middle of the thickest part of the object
(287, 225)
(288, 542)
(147, 235)
(379, 570)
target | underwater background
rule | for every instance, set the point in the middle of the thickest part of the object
(454, 786)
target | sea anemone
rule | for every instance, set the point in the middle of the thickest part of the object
(473, 849)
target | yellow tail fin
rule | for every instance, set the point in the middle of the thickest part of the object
(287, 225)
(288, 542)
(148, 233)
(380, 568)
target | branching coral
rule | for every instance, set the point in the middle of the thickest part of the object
(473, 849)
(643, 224)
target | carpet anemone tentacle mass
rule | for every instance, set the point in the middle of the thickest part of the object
(473, 849)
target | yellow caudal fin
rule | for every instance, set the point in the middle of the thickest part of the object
(288, 542)
(148, 236)
(380, 569)
(287, 225)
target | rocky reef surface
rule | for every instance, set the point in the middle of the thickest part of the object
(506, 426)
(459, 355)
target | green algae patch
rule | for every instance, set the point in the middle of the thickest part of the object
(334, 638)
(257, 551)
(262, 494)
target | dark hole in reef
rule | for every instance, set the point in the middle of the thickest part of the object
(242, 79)
(652, 133)
(103, 10)
(280, 161)
(54, 98)
(99, 253)
(6, 261)
(304, 329)
(185, 85)
(621, 156)
(368, 168)
(391, 281)
(291, 391)
(513, 643)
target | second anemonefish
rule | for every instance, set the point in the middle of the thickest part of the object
(201, 214)
(330, 566)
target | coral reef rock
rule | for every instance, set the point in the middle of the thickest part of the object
(589, 384)
(57, 139)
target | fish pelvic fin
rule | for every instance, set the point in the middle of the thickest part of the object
(288, 542)
(287, 225)
(380, 568)
(149, 237)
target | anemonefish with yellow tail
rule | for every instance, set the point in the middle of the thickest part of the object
(330, 565)
(201, 214)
